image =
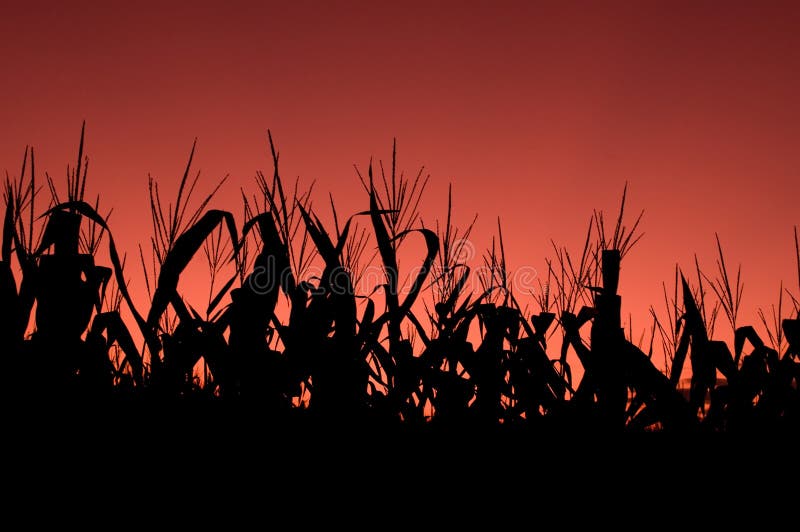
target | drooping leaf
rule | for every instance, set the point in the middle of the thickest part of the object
(179, 257)
(117, 331)
(89, 212)
(432, 245)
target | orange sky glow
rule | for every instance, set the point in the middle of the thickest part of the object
(536, 112)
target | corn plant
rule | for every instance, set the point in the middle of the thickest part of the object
(275, 336)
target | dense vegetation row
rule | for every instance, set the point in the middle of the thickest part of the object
(290, 344)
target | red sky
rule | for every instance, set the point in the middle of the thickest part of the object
(536, 111)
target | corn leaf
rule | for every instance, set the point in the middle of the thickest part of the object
(89, 212)
(179, 257)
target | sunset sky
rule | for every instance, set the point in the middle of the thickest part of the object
(537, 112)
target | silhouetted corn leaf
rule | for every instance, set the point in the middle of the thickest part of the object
(117, 331)
(450, 302)
(791, 329)
(320, 237)
(8, 227)
(274, 256)
(98, 279)
(541, 322)
(746, 333)
(693, 323)
(8, 285)
(386, 251)
(61, 231)
(269, 233)
(179, 257)
(432, 245)
(88, 211)
(679, 359)
(212, 305)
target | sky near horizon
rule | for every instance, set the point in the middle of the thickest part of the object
(536, 112)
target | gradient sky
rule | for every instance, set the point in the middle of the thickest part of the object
(536, 111)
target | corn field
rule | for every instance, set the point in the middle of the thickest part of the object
(291, 345)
